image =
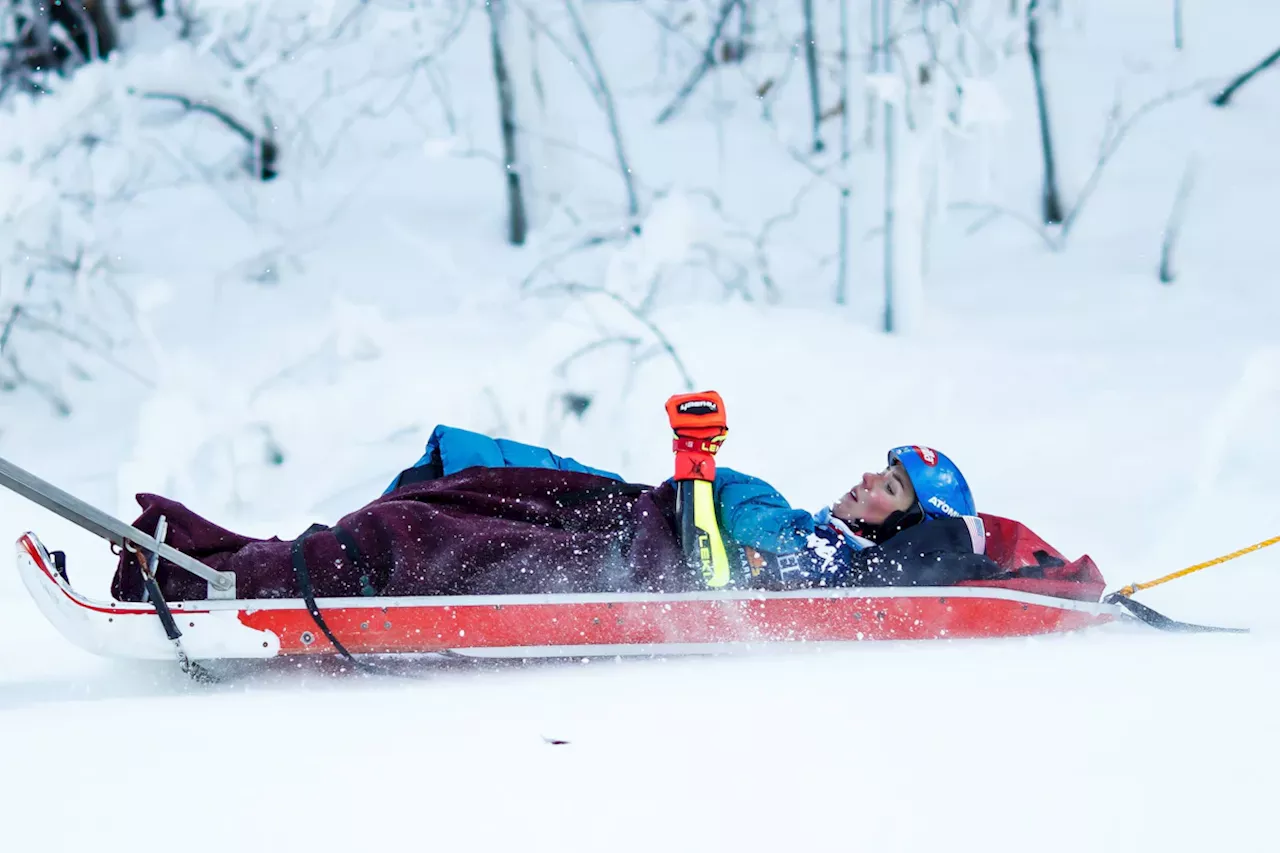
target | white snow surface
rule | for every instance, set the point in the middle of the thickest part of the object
(335, 315)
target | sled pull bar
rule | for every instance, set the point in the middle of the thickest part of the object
(102, 524)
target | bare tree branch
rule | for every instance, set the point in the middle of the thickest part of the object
(1111, 143)
(577, 289)
(708, 61)
(30, 321)
(604, 97)
(593, 76)
(20, 379)
(263, 147)
(427, 63)
(1173, 228)
(759, 241)
(993, 211)
(14, 314)
(586, 153)
(737, 281)
(931, 43)
(1224, 97)
(562, 368)
(589, 242)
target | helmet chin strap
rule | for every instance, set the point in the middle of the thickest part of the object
(897, 521)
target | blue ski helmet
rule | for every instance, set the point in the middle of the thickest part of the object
(941, 489)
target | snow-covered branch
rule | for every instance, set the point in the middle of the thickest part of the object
(587, 66)
(577, 289)
(1173, 228)
(706, 64)
(604, 96)
(1118, 129)
(264, 150)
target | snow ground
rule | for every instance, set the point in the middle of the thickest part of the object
(1114, 416)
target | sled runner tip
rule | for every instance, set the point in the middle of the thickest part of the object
(130, 629)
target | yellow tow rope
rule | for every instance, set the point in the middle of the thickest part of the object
(1132, 588)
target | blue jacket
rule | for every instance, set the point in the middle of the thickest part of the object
(451, 449)
(792, 549)
(777, 546)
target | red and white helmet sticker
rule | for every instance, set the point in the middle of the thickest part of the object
(927, 454)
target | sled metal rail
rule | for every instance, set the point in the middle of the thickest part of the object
(107, 526)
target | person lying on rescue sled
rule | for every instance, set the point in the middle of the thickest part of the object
(786, 547)
(478, 515)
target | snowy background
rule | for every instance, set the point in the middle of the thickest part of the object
(273, 352)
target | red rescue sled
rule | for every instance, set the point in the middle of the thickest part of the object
(1043, 593)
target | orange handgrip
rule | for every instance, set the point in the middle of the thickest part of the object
(699, 423)
(699, 415)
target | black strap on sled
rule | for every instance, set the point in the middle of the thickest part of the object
(149, 566)
(348, 543)
(171, 630)
(308, 591)
(1159, 621)
(299, 559)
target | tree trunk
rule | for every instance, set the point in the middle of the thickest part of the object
(890, 183)
(1051, 200)
(517, 218)
(104, 23)
(90, 25)
(846, 144)
(811, 64)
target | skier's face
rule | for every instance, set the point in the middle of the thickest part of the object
(876, 497)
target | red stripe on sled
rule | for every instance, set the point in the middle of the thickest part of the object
(433, 628)
(123, 608)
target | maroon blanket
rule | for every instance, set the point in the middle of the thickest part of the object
(480, 531)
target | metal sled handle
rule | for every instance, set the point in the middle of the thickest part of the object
(102, 524)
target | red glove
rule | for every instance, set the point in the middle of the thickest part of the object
(698, 421)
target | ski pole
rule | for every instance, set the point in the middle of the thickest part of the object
(698, 422)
